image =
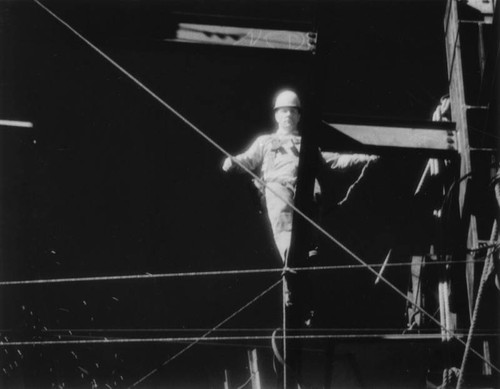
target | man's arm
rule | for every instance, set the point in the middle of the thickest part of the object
(251, 159)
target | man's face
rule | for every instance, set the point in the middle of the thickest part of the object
(287, 118)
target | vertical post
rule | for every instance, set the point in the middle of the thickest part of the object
(285, 291)
(473, 243)
(487, 356)
(414, 315)
(449, 321)
(442, 311)
(459, 115)
(457, 92)
(254, 369)
(307, 172)
(481, 48)
(226, 379)
(447, 318)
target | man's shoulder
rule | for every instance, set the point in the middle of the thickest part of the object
(265, 137)
(275, 139)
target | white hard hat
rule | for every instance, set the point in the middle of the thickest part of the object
(287, 98)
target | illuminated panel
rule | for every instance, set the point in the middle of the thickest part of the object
(246, 37)
(413, 138)
(15, 123)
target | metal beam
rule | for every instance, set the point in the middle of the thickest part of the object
(457, 94)
(245, 37)
(399, 137)
(459, 115)
(486, 7)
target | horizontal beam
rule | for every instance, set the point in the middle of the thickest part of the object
(15, 123)
(399, 137)
(245, 37)
(486, 7)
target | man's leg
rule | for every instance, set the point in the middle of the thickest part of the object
(280, 216)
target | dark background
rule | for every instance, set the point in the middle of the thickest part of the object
(109, 182)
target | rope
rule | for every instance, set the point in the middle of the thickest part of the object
(395, 337)
(214, 273)
(487, 269)
(346, 197)
(139, 276)
(282, 358)
(496, 261)
(442, 111)
(223, 151)
(197, 340)
(490, 332)
(246, 382)
(446, 380)
(275, 348)
(448, 375)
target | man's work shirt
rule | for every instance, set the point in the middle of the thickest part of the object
(277, 156)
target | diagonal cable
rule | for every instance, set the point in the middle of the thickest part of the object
(175, 356)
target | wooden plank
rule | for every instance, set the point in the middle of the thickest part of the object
(400, 137)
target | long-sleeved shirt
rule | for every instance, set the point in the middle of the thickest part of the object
(277, 157)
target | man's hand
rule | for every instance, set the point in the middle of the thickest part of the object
(227, 165)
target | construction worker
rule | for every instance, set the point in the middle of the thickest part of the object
(276, 155)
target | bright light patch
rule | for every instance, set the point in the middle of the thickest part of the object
(246, 37)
